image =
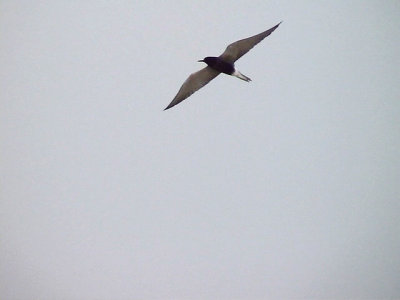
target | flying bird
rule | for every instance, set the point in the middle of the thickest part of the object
(225, 63)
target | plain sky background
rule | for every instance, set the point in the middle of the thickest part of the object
(284, 187)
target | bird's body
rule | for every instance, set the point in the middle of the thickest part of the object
(217, 65)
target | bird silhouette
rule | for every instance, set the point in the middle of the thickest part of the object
(225, 63)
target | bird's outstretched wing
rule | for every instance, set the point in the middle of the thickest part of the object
(194, 82)
(237, 49)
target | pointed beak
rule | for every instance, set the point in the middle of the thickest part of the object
(201, 60)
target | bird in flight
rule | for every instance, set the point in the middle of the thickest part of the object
(225, 63)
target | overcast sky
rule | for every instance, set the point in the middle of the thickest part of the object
(284, 187)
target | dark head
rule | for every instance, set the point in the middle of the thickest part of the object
(207, 60)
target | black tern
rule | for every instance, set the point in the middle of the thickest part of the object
(225, 63)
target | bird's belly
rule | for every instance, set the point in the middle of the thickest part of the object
(223, 67)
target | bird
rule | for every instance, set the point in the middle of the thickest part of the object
(225, 63)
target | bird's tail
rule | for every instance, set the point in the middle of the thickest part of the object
(241, 76)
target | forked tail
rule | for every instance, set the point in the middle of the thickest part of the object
(241, 76)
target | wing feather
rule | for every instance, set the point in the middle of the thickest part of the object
(239, 48)
(193, 83)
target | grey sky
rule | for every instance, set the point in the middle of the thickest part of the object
(285, 187)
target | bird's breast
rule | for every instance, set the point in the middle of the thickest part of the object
(221, 66)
